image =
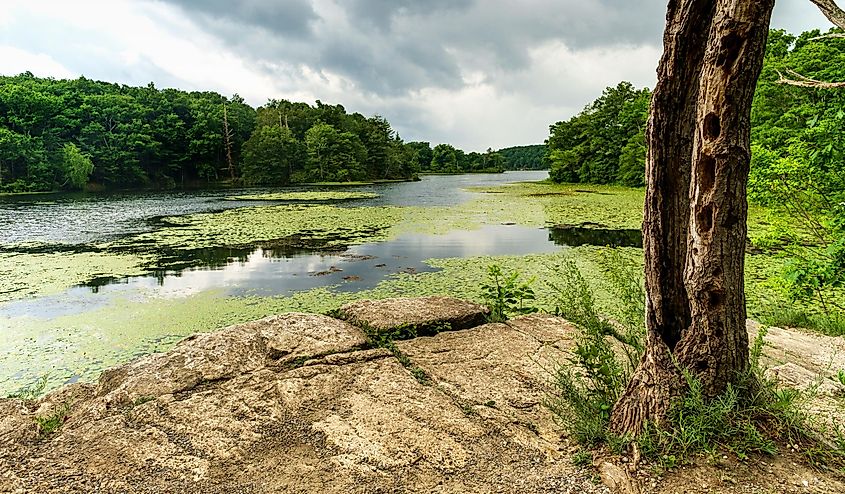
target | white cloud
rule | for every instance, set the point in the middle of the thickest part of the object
(473, 73)
(14, 61)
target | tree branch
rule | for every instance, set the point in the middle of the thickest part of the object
(828, 36)
(802, 81)
(832, 11)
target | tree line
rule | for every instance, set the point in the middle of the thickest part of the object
(531, 157)
(792, 127)
(80, 133)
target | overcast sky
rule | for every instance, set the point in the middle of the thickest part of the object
(474, 73)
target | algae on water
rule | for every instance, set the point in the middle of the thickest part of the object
(308, 196)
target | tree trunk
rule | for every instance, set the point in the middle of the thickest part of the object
(695, 214)
(228, 138)
(715, 347)
(670, 132)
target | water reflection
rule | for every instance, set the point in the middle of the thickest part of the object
(575, 236)
(77, 218)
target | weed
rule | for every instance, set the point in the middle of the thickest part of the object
(831, 324)
(591, 383)
(468, 409)
(506, 295)
(750, 417)
(32, 391)
(387, 339)
(48, 424)
(841, 376)
(143, 399)
(583, 458)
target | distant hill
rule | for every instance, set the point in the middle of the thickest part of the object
(531, 157)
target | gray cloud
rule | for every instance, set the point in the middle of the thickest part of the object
(282, 17)
(475, 73)
(392, 47)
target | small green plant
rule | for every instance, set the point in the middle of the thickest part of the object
(48, 424)
(583, 458)
(591, 382)
(751, 416)
(832, 324)
(841, 376)
(506, 295)
(387, 339)
(32, 391)
(142, 399)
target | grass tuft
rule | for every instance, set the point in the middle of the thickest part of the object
(49, 424)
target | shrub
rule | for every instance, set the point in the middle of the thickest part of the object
(505, 295)
(591, 382)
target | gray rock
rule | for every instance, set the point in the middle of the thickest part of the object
(427, 315)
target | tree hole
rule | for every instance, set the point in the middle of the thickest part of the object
(714, 299)
(707, 172)
(729, 50)
(712, 126)
(731, 219)
(704, 219)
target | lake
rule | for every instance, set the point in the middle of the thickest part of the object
(73, 332)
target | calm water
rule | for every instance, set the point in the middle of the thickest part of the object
(63, 221)
(89, 218)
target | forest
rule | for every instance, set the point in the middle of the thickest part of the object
(531, 157)
(605, 143)
(84, 134)
(797, 163)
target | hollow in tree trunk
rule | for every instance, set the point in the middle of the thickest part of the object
(695, 212)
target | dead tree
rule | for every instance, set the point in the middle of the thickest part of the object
(695, 211)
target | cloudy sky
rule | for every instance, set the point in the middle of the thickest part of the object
(475, 73)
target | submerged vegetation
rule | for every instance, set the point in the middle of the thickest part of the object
(310, 196)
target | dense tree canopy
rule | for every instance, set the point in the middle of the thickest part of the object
(81, 133)
(798, 160)
(791, 125)
(532, 157)
(445, 158)
(589, 147)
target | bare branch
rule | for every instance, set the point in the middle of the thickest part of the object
(828, 36)
(832, 11)
(802, 81)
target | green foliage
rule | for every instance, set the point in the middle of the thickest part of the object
(505, 295)
(603, 144)
(589, 385)
(270, 156)
(799, 147)
(126, 137)
(387, 339)
(531, 157)
(32, 391)
(142, 399)
(77, 166)
(832, 324)
(841, 376)
(50, 423)
(582, 458)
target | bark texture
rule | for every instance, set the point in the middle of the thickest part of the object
(671, 127)
(695, 213)
(715, 347)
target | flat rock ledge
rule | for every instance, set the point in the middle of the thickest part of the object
(426, 315)
(299, 403)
